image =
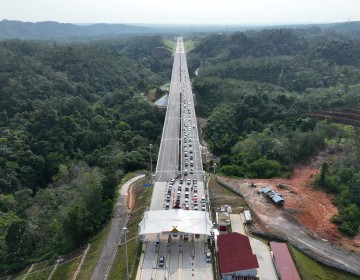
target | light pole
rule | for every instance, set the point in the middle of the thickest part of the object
(214, 165)
(150, 147)
(126, 255)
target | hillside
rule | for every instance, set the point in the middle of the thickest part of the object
(72, 125)
(50, 30)
(275, 98)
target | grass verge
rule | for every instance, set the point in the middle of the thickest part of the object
(93, 255)
(220, 195)
(67, 270)
(189, 45)
(42, 274)
(169, 44)
(142, 201)
(310, 269)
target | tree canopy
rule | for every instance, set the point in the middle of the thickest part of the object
(72, 124)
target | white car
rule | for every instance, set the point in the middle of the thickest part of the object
(208, 257)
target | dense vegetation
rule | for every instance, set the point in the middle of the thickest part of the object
(257, 91)
(72, 124)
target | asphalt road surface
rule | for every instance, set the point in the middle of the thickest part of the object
(180, 127)
(179, 181)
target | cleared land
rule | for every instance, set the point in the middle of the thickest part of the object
(305, 218)
(308, 268)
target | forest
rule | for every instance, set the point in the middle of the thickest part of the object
(72, 125)
(258, 89)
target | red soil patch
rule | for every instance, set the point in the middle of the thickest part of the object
(312, 208)
(304, 205)
(130, 198)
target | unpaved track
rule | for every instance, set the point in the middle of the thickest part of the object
(117, 223)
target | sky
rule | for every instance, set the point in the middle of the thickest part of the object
(248, 12)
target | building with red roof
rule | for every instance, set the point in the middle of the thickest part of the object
(236, 258)
(284, 264)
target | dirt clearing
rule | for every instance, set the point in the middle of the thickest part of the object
(305, 216)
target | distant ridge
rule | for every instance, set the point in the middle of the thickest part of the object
(49, 30)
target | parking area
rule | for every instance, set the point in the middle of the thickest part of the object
(266, 270)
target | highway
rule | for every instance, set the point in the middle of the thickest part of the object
(180, 126)
(179, 181)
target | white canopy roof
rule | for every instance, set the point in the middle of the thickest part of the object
(176, 220)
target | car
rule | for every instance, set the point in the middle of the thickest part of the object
(185, 140)
(186, 200)
(186, 188)
(195, 190)
(191, 157)
(203, 208)
(190, 140)
(195, 195)
(203, 199)
(167, 205)
(172, 181)
(186, 206)
(194, 180)
(186, 236)
(193, 125)
(188, 181)
(186, 194)
(191, 171)
(185, 154)
(208, 257)
(186, 163)
(161, 261)
(191, 151)
(168, 197)
(185, 172)
(191, 163)
(196, 207)
(179, 187)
